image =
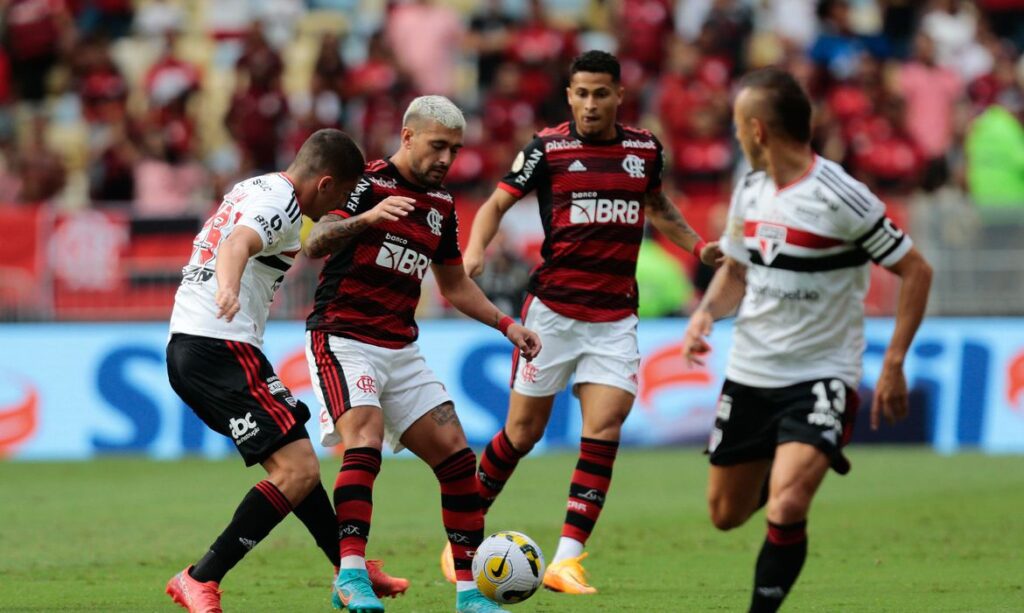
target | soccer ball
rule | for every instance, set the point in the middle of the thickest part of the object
(508, 567)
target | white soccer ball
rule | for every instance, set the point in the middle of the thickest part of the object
(508, 567)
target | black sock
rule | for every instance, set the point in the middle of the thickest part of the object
(317, 513)
(262, 508)
(778, 565)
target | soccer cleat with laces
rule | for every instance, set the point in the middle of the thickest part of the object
(568, 576)
(384, 585)
(448, 563)
(472, 601)
(196, 596)
(353, 591)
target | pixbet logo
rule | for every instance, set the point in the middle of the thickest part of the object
(604, 210)
(402, 259)
(242, 429)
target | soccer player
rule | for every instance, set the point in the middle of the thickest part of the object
(800, 236)
(215, 364)
(368, 373)
(595, 180)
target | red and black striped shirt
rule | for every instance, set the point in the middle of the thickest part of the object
(369, 290)
(591, 196)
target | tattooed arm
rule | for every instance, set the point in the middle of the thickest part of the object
(670, 222)
(333, 232)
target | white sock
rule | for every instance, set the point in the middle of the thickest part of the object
(463, 586)
(353, 562)
(567, 548)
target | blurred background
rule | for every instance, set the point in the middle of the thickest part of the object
(122, 122)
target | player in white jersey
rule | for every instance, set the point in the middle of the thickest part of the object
(215, 364)
(800, 236)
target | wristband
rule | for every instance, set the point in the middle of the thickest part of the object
(698, 248)
(504, 324)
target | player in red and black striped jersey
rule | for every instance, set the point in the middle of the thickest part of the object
(596, 182)
(367, 371)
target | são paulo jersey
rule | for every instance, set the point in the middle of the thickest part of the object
(268, 205)
(369, 290)
(591, 196)
(806, 247)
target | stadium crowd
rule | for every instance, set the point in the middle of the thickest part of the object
(164, 103)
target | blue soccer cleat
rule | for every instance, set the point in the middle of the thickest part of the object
(472, 601)
(353, 591)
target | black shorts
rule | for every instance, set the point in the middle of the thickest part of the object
(232, 387)
(752, 421)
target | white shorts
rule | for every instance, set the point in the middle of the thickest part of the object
(346, 373)
(596, 352)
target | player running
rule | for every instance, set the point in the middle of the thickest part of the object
(800, 235)
(595, 180)
(215, 364)
(367, 370)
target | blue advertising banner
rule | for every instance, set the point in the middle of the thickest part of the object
(75, 391)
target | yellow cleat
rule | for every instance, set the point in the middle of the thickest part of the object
(569, 577)
(448, 563)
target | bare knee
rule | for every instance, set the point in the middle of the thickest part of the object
(788, 506)
(727, 514)
(525, 433)
(296, 477)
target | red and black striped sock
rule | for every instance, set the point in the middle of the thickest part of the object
(589, 487)
(262, 508)
(778, 565)
(496, 465)
(318, 515)
(460, 509)
(353, 498)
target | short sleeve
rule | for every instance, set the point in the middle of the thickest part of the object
(526, 171)
(271, 220)
(862, 219)
(732, 242)
(654, 187)
(448, 252)
(359, 201)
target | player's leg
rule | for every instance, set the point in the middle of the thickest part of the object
(735, 492)
(527, 418)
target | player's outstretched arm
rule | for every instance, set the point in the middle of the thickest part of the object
(890, 398)
(666, 217)
(485, 226)
(467, 297)
(334, 232)
(232, 256)
(723, 296)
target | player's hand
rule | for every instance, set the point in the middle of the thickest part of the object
(711, 255)
(891, 397)
(391, 208)
(525, 339)
(227, 303)
(473, 262)
(694, 345)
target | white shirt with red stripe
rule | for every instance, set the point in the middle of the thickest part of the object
(806, 247)
(268, 205)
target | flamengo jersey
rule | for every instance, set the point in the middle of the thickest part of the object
(806, 247)
(268, 205)
(369, 290)
(591, 196)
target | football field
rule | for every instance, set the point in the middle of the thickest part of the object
(907, 530)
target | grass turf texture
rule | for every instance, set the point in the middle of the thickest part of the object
(907, 530)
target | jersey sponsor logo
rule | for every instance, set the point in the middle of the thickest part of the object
(576, 505)
(440, 195)
(243, 428)
(383, 183)
(604, 210)
(770, 239)
(562, 145)
(402, 259)
(634, 166)
(434, 219)
(366, 384)
(526, 168)
(269, 227)
(638, 144)
(353, 198)
(577, 166)
(724, 409)
(778, 293)
(277, 388)
(196, 274)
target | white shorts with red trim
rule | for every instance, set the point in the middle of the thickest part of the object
(346, 373)
(596, 352)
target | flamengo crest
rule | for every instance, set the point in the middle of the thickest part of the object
(434, 220)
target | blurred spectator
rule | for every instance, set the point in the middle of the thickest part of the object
(726, 31)
(99, 83)
(40, 170)
(426, 36)
(662, 285)
(883, 154)
(489, 38)
(543, 52)
(112, 171)
(258, 108)
(643, 28)
(995, 158)
(954, 28)
(170, 77)
(506, 114)
(931, 93)
(165, 186)
(322, 106)
(34, 33)
(506, 275)
(379, 92)
(702, 160)
(838, 49)
(107, 18)
(259, 60)
(156, 17)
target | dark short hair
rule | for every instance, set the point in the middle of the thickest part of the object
(596, 61)
(333, 152)
(785, 106)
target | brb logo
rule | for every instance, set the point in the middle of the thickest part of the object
(394, 254)
(588, 208)
(243, 429)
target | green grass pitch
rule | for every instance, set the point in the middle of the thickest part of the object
(907, 530)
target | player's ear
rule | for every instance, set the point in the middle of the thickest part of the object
(324, 184)
(407, 134)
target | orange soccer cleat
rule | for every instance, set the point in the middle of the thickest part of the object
(384, 585)
(448, 563)
(196, 596)
(568, 576)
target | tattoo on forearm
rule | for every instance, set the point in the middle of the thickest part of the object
(663, 208)
(332, 233)
(444, 414)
